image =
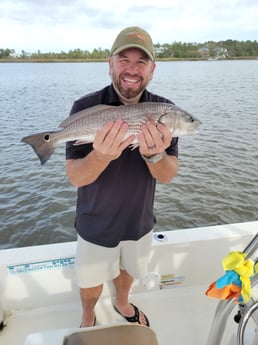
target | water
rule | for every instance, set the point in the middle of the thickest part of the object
(218, 177)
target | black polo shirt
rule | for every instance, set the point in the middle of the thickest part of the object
(118, 206)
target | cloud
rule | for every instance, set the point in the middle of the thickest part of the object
(66, 24)
(30, 12)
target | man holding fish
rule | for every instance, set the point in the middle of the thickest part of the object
(104, 190)
(116, 185)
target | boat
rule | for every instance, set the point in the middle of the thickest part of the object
(40, 303)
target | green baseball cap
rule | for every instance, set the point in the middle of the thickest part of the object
(133, 37)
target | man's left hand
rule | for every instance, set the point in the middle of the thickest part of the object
(153, 138)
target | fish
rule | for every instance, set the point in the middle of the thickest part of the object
(81, 127)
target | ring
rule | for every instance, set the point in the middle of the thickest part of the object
(151, 147)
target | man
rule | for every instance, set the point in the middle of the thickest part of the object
(116, 185)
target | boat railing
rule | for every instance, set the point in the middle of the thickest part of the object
(243, 322)
(225, 307)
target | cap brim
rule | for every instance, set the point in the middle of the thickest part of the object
(127, 46)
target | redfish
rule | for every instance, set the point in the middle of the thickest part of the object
(81, 127)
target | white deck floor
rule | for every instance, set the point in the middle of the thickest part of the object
(180, 318)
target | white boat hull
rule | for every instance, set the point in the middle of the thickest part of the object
(40, 304)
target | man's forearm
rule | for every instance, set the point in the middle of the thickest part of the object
(84, 171)
(165, 169)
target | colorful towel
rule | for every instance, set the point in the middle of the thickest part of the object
(236, 283)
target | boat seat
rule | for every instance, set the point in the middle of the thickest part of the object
(115, 335)
(126, 334)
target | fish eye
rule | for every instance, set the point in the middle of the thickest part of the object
(46, 137)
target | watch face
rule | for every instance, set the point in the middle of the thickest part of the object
(157, 157)
(154, 159)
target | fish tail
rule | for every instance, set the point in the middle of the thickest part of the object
(42, 143)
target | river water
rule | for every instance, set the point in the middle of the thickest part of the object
(218, 177)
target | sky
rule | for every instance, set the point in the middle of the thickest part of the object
(63, 25)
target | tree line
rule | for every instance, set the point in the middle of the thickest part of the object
(210, 49)
(226, 49)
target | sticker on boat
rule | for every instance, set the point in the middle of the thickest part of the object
(41, 265)
(169, 280)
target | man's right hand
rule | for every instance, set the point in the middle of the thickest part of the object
(108, 145)
(110, 140)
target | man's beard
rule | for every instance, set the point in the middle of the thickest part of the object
(128, 93)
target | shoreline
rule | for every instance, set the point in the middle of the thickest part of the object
(28, 60)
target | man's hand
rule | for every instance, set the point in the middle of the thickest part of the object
(154, 139)
(109, 141)
(108, 145)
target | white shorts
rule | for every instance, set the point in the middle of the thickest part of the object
(95, 264)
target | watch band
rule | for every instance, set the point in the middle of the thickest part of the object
(155, 158)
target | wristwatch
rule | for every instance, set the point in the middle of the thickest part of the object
(155, 158)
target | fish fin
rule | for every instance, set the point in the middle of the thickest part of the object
(89, 111)
(41, 144)
(80, 142)
(133, 146)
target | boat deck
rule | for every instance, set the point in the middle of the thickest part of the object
(180, 317)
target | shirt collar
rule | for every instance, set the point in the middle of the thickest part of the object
(112, 96)
(144, 96)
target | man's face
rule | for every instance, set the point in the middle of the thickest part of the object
(131, 70)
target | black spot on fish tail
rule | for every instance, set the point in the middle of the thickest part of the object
(41, 144)
(47, 137)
